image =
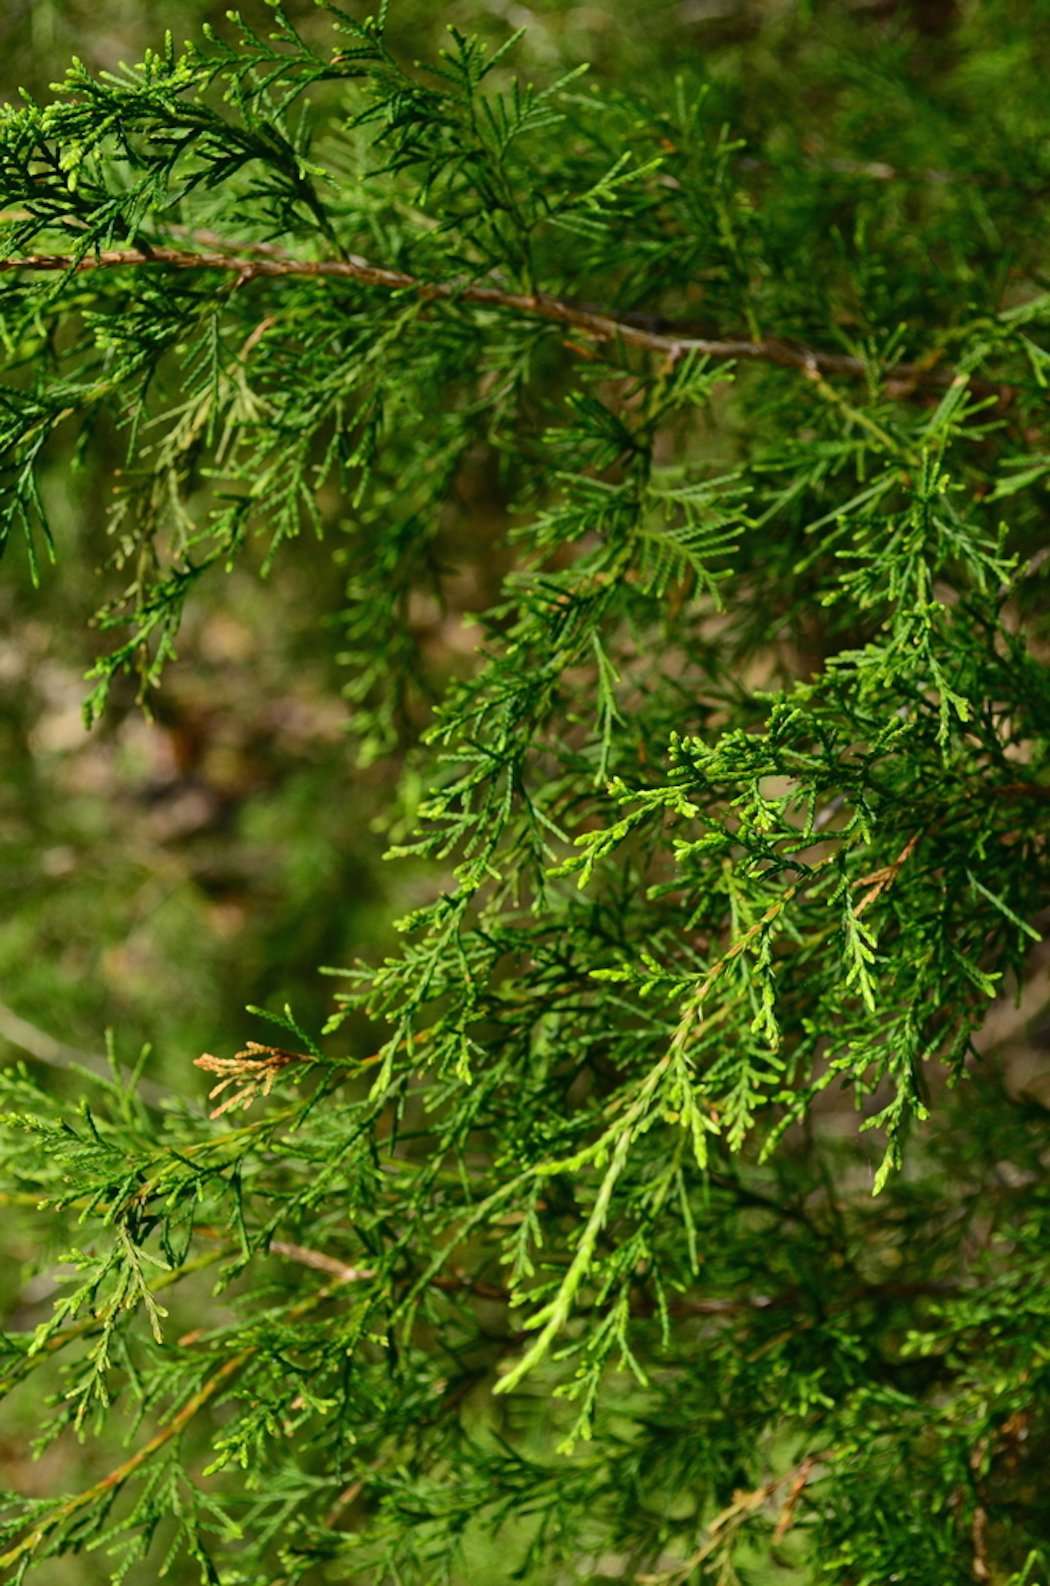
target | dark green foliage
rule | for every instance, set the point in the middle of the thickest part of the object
(726, 427)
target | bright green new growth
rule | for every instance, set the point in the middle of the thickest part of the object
(739, 805)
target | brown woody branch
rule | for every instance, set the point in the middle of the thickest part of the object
(268, 262)
(699, 1305)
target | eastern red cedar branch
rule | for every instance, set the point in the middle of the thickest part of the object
(251, 264)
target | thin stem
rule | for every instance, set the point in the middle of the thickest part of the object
(249, 266)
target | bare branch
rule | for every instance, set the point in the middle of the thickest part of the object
(320, 1262)
(253, 263)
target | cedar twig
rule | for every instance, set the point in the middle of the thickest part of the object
(743, 1505)
(451, 1283)
(342, 1273)
(89, 1324)
(786, 1517)
(877, 881)
(1009, 1017)
(254, 263)
(729, 1520)
(253, 1069)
